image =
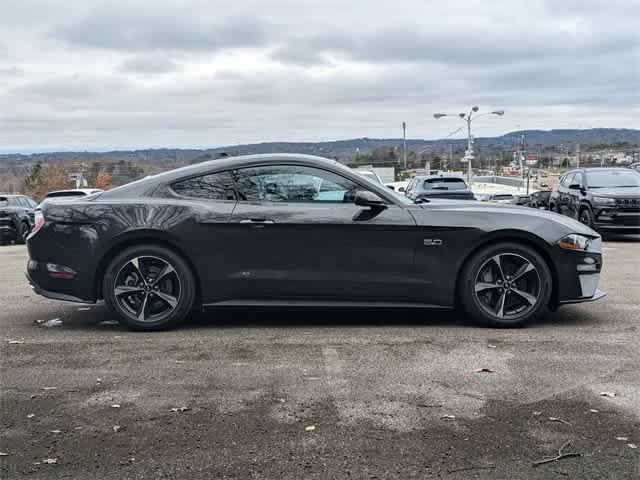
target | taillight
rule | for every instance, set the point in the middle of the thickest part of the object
(39, 221)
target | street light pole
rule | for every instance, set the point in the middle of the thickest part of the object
(404, 145)
(468, 118)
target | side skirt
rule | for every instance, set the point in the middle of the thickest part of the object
(321, 303)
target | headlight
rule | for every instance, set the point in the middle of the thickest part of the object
(604, 200)
(575, 242)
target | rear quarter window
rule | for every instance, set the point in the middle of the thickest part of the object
(213, 186)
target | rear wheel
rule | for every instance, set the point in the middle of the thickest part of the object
(23, 233)
(149, 287)
(505, 285)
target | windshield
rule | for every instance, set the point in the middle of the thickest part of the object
(445, 184)
(613, 179)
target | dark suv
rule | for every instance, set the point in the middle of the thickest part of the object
(607, 199)
(16, 218)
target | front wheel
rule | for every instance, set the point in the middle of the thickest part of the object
(505, 285)
(149, 287)
(586, 217)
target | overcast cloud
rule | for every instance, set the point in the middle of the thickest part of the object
(79, 74)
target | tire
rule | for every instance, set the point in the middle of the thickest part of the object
(23, 233)
(149, 287)
(482, 287)
(586, 216)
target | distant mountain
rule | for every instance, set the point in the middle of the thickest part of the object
(340, 149)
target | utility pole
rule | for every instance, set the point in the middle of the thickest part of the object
(404, 145)
(577, 155)
(467, 118)
(469, 152)
(523, 155)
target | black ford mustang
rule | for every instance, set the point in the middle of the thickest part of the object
(302, 230)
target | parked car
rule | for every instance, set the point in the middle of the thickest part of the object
(502, 198)
(635, 166)
(521, 199)
(72, 193)
(16, 218)
(606, 199)
(302, 230)
(539, 199)
(425, 187)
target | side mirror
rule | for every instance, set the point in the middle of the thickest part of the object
(575, 186)
(365, 198)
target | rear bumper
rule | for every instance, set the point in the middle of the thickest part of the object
(54, 288)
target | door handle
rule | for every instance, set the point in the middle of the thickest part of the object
(256, 220)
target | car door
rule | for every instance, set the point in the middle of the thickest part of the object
(565, 193)
(574, 195)
(299, 234)
(29, 213)
(209, 200)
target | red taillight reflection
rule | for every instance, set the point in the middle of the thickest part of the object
(61, 275)
(39, 221)
(60, 271)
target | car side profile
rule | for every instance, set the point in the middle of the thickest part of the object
(302, 230)
(16, 218)
(606, 199)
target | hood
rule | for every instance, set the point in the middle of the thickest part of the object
(619, 192)
(496, 216)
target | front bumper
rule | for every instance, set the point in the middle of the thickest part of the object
(617, 219)
(578, 275)
(597, 296)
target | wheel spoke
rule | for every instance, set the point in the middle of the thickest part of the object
(530, 299)
(126, 289)
(498, 263)
(526, 268)
(136, 264)
(163, 273)
(170, 299)
(143, 307)
(500, 304)
(482, 286)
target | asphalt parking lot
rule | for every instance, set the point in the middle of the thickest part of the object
(321, 393)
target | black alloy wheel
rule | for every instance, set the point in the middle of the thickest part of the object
(149, 288)
(506, 285)
(586, 217)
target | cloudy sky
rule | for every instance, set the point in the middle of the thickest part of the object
(86, 74)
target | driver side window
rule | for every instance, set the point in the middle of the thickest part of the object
(293, 183)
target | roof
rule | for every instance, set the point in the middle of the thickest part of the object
(147, 184)
(597, 169)
(428, 177)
